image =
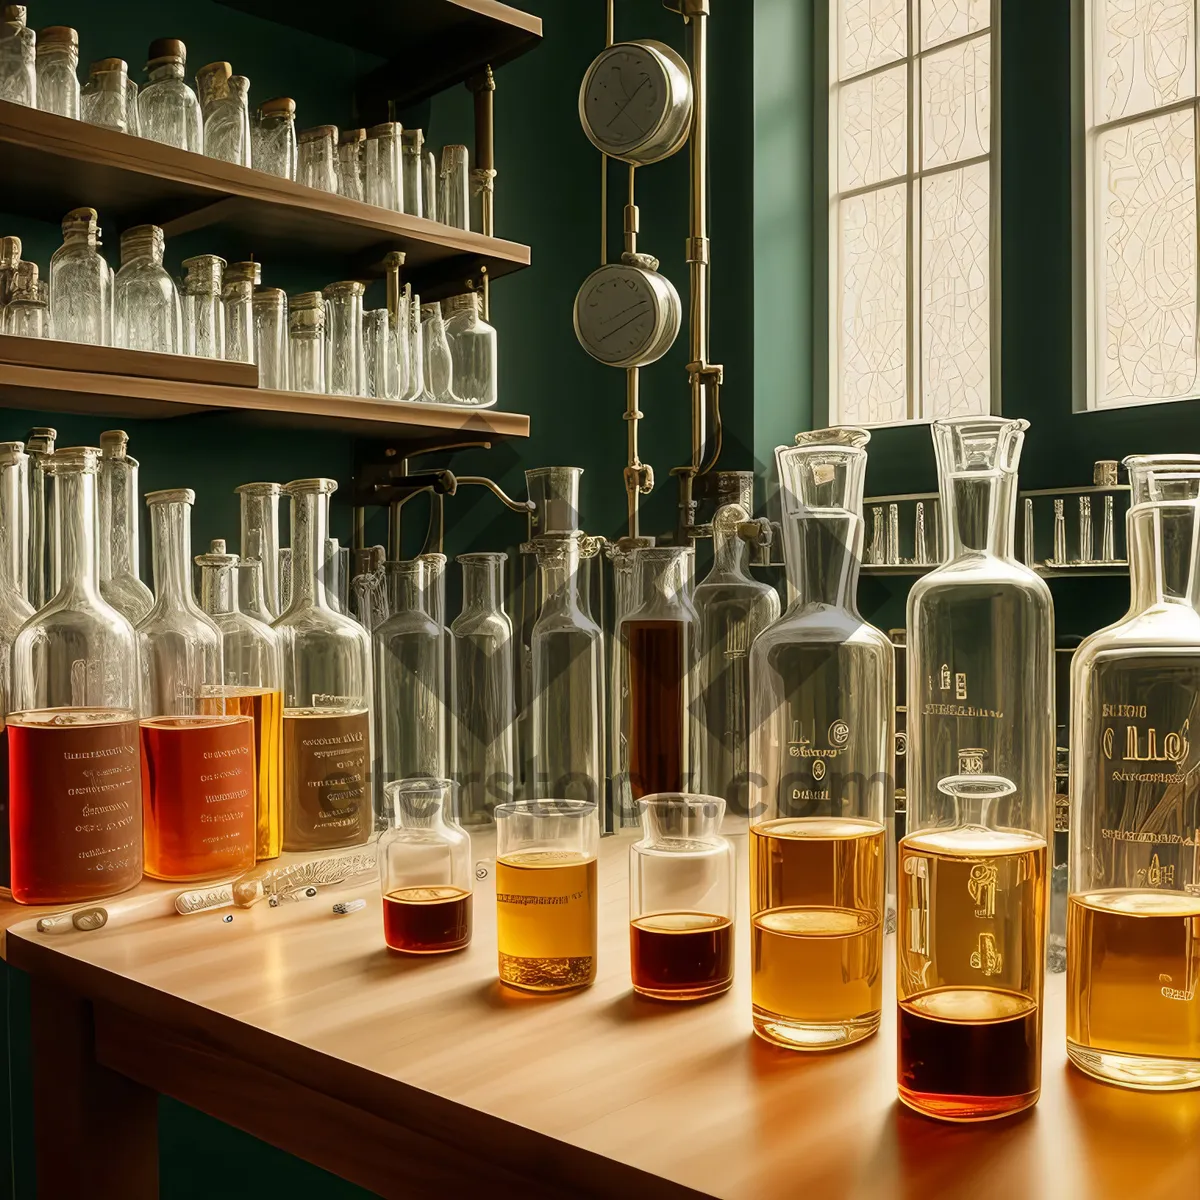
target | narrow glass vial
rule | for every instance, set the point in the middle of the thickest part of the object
(259, 506)
(454, 188)
(148, 312)
(822, 701)
(79, 281)
(57, 71)
(383, 175)
(39, 445)
(411, 141)
(203, 309)
(167, 108)
(73, 705)
(306, 342)
(397, 306)
(439, 367)
(1133, 924)
(327, 798)
(351, 163)
(239, 96)
(418, 383)
(237, 297)
(273, 137)
(1086, 542)
(18, 52)
(104, 99)
(425, 870)
(27, 314)
(120, 580)
(344, 367)
(429, 184)
(271, 338)
(316, 158)
(681, 899)
(472, 351)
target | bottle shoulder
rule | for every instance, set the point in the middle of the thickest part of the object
(982, 570)
(1172, 629)
(821, 624)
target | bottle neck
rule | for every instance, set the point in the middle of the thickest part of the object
(822, 549)
(170, 70)
(406, 587)
(310, 523)
(1163, 558)
(142, 251)
(86, 239)
(14, 507)
(251, 597)
(562, 586)
(980, 513)
(75, 520)
(118, 518)
(171, 527)
(481, 584)
(218, 590)
(731, 554)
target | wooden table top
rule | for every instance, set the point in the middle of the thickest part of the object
(600, 1086)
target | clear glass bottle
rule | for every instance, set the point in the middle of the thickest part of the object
(1133, 925)
(273, 137)
(397, 306)
(259, 508)
(120, 579)
(413, 192)
(351, 166)
(225, 106)
(10, 257)
(203, 308)
(27, 314)
(57, 71)
(79, 281)
(237, 297)
(472, 351)
(306, 342)
(483, 698)
(252, 687)
(39, 445)
(418, 385)
(327, 695)
(439, 367)
(18, 53)
(146, 306)
(104, 99)
(316, 158)
(972, 868)
(344, 367)
(168, 110)
(198, 784)
(425, 870)
(74, 704)
(454, 188)
(383, 175)
(271, 337)
(821, 718)
(681, 899)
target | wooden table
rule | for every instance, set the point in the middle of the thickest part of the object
(426, 1078)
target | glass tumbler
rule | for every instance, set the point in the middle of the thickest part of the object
(454, 188)
(306, 342)
(546, 894)
(351, 157)
(344, 339)
(411, 141)
(203, 311)
(384, 182)
(316, 158)
(681, 899)
(271, 338)
(424, 870)
(379, 353)
(237, 296)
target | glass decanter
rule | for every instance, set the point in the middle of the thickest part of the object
(79, 281)
(57, 71)
(104, 99)
(120, 580)
(327, 694)
(472, 351)
(27, 314)
(203, 309)
(821, 716)
(73, 706)
(273, 137)
(259, 506)
(168, 110)
(18, 53)
(344, 367)
(1133, 925)
(237, 296)
(147, 311)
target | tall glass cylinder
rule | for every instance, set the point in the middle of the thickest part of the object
(237, 297)
(429, 185)
(454, 188)
(351, 163)
(271, 338)
(316, 158)
(418, 386)
(273, 137)
(168, 111)
(439, 366)
(203, 309)
(148, 312)
(104, 99)
(344, 367)
(40, 445)
(259, 507)
(379, 355)
(57, 71)
(119, 545)
(411, 141)
(306, 342)
(80, 293)
(382, 171)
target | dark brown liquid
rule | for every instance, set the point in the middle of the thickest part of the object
(326, 779)
(656, 701)
(5, 844)
(681, 956)
(427, 920)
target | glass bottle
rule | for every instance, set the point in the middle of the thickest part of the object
(418, 383)
(271, 337)
(821, 719)
(79, 281)
(237, 297)
(429, 185)
(439, 367)
(27, 314)
(203, 308)
(73, 705)
(259, 507)
(327, 691)
(239, 97)
(412, 191)
(251, 688)
(483, 696)
(397, 306)
(10, 258)
(472, 351)
(168, 110)
(1133, 925)
(383, 175)
(57, 71)
(18, 53)
(273, 137)
(379, 356)
(306, 342)
(224, 104)
(39, 445)
(972, 867)
(148, 313)
(454, 188)
(681, 899)
(120, 581)
(316, 158)
(351, 165)
(424, 869)
(133, 120)
(104, 99)
(343, 338)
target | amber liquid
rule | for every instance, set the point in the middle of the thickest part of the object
(816, 950)
(427, 920)
(546, 920)
(1133, 986)
(75, 809)
(971, 942)
(198, 797)
(681, 955)
(326, 778)
(657, 669)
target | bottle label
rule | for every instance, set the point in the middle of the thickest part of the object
(326, 773)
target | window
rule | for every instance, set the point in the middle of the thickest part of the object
(1140, 166)
(911, 251)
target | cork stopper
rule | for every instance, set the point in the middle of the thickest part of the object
(57, 35)
(318, 133)
(350, 136)
(166, 50)
(244, 272)
(279, 106)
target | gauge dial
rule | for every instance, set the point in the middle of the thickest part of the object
(626, 316)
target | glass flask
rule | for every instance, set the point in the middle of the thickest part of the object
(351, 165)
(57, 71)
(203, 308)
(270, 310)
(424, 870)
(382, 173)
(273, 137)
(167, 108)
(39, 445)
(567, 690)
(439, 367)
(18, 54)
(251, 688)
(237, 297)
(259, 507)
(327, 743)
(454, 188)
(681, 899)
(472, 351)
(821, 718)
(147, 311)
(732, 609)
(483, 700)
(379, 355)
(306, 342)
(418, 384)
(120, 579)
(316, 158)
(412, 191)
(546, 894)
(198, 785)
(73, 706)
(79, 281)
(429, 185)
(104, 99)
(1133, 924)
(344, 367)
(10, 258)
(27, 313)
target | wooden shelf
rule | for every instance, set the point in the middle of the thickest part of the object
(51, 164)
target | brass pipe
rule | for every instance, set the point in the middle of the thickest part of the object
(483, 88)
(608, 41)
(521, 506)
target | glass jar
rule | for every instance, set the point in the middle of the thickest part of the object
(133, 120)
(271, 338)
(168, 110)
(316, 158)
(412, 191)
(203, 308)
(472, 351)
(57, 71)
(379, 355)
(120, 577)
(148, 313)
(327, 694)
(351, 166)
(383, 173)
(483, 691)
(18, 52)
(10, 257)
(344, 368)
(73, 704)
(273, 137)
(429, 184)
(439, 367)
(104, 99)
(27, 314)
(259, 509)
(681, 899)
(224, 106)
(425, 870)
(454, 188)
(252, 687)
(79, 281)
(306, 342)
(1133, 924)
(237, 297)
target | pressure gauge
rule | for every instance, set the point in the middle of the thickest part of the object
(635, 102)
(626, 313)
